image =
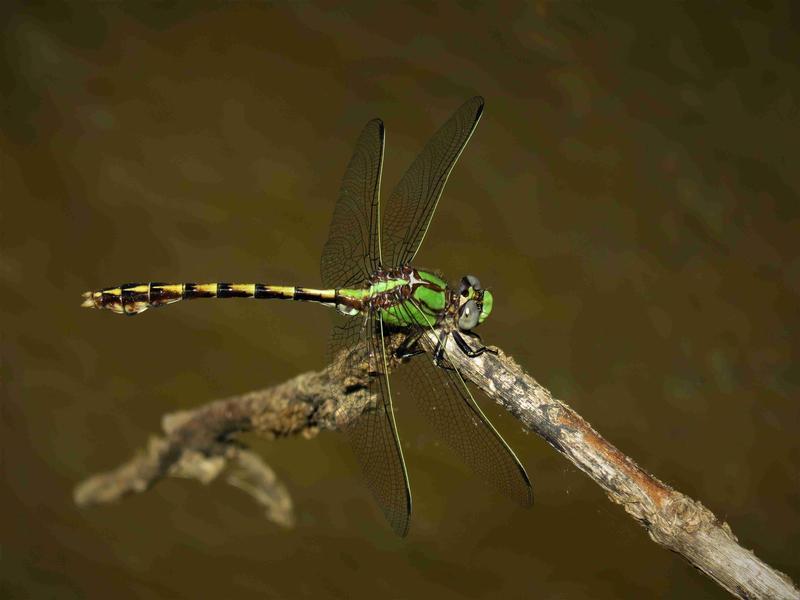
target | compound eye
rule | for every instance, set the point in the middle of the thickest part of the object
(468, 317)
(468, 281)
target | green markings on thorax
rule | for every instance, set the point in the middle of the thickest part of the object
(424, 304)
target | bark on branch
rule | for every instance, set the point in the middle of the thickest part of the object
(200, 443)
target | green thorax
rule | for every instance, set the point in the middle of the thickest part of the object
(403, 296)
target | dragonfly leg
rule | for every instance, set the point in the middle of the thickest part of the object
(409, 347)
(465, 348)
(472, 334)
(438, 354)
(484, 347)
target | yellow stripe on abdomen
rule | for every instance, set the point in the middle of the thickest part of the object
(134, 298)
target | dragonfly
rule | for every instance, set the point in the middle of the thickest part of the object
(369, 279)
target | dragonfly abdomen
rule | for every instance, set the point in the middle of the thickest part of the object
(134, 298)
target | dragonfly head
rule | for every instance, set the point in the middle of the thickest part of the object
(475, 303)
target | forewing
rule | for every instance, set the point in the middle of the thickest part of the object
(445, 401)
(373, 436)
(351, 253)
(407, 215)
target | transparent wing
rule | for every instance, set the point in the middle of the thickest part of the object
(445, 401)
(373, 436)
(406, 216)
(351, 253)
(345, 333)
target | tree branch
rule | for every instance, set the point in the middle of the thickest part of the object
(307, 403)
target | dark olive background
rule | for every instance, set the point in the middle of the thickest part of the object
(631, 197)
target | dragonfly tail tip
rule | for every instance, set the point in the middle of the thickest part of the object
(88, 300)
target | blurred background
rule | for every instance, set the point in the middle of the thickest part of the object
(630, 196)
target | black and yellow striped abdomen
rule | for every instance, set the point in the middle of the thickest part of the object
(134, 298)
